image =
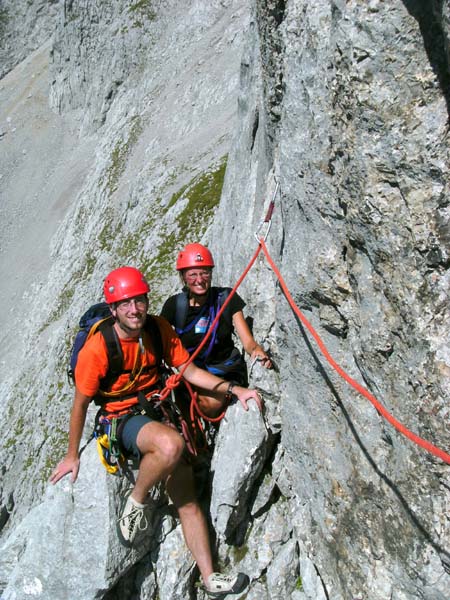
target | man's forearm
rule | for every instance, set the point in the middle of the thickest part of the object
(216, 386)
(76, 425)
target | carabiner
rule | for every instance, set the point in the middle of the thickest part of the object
(268, 218)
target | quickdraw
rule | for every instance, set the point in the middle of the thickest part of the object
(267, 221)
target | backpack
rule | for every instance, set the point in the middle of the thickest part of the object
(98, 318)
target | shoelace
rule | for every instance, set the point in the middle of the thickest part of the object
(136, 519)
(220, 578)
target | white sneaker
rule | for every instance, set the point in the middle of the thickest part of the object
(132, 519)
(218, 585)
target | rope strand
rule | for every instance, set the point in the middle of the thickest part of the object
(358, 387)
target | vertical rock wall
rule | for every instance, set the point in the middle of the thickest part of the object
(356, 133)
(24, 26)
(344, 105)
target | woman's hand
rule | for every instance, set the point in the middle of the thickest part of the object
(259, 355)
(248, 342)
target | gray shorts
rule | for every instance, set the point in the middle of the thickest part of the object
(129, 433)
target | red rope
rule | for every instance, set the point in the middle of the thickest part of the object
(359, 388)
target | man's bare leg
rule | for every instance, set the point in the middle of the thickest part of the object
(161, 447)
(181, 489)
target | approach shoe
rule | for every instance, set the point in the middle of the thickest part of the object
(132, 519)
(218, 585)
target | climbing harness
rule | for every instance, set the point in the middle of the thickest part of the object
(168, 410)
(106, 434)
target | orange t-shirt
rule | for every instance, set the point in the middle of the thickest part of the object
(92, 364)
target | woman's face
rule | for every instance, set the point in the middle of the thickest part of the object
(198, 281)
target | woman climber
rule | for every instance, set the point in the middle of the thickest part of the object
(192, 312)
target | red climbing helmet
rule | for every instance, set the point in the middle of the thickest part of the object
(194, 255)
(122, 283)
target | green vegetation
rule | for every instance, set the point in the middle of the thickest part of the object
(63, 302)
(54, 391)
(204, 189)
(202, 194)
(29, 462)
(299, 584)
(9, 443)
(120, 154)
(18, 430)
(106, 235)
(240, 552)
(144, 9)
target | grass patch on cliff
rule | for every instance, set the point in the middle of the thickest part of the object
(120, 154)
(142, 9)
(4, 17)
(240, 552)
(201, 196)
(107, 235)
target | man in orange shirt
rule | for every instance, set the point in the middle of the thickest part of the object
(158, 446)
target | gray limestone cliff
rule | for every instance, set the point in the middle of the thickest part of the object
(131, 128)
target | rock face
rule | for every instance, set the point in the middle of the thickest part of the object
(183, 120)
(24, 26)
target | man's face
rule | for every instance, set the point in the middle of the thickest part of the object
(131, 313)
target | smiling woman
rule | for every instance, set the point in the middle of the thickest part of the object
(192, 313)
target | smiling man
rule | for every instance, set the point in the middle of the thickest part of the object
(158, 446)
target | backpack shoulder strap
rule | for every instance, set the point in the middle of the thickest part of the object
(152, 328)
(114, 349)
(181, 310)
(222, 295)
(182, 306)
